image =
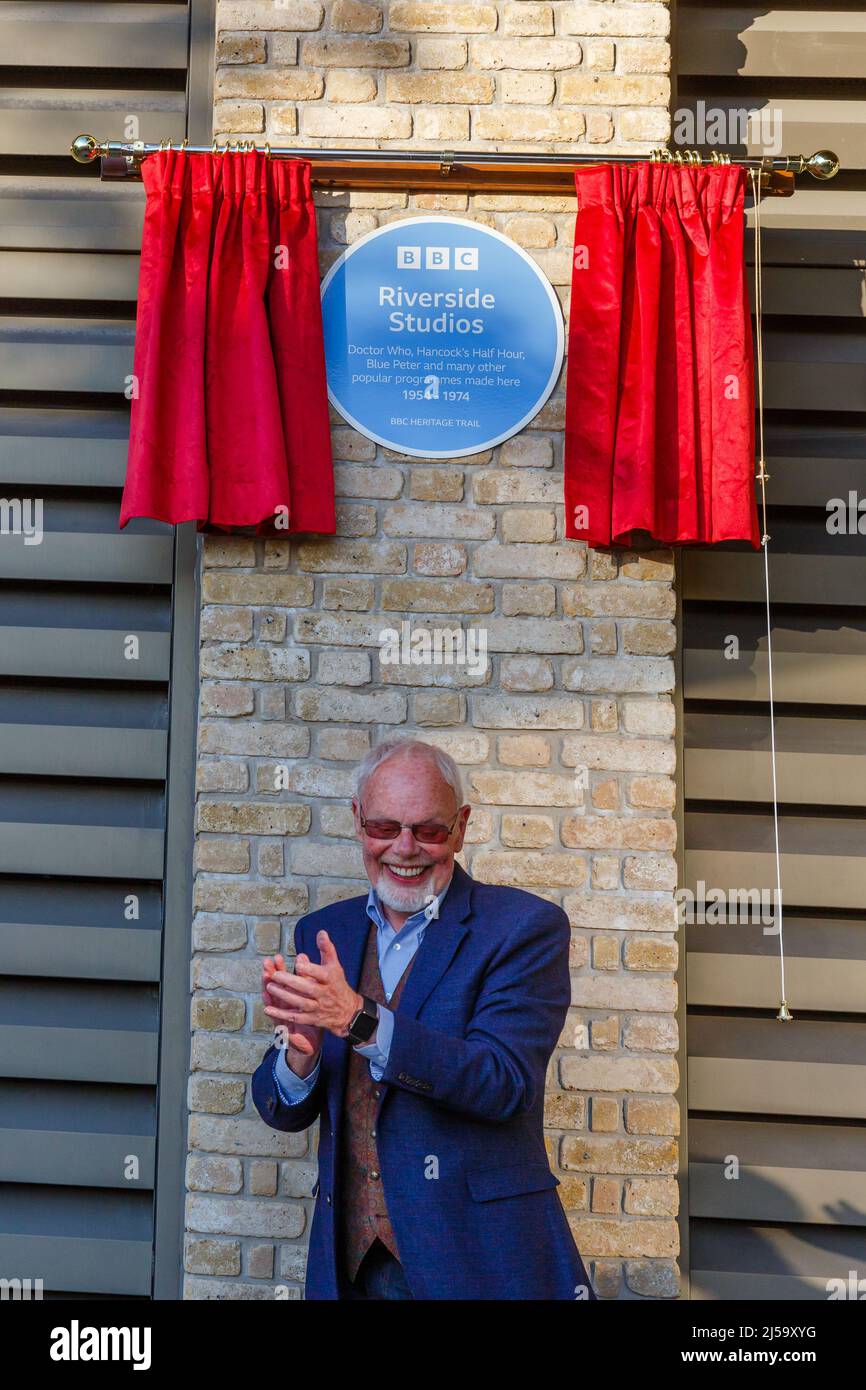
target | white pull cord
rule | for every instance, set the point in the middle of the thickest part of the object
(784, 1015)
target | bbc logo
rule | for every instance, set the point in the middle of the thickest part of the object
(437, 257)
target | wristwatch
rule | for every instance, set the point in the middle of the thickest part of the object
(365, 1022)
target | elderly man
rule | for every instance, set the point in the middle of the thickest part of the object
(417, 1026)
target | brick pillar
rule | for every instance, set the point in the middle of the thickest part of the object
(566, 743)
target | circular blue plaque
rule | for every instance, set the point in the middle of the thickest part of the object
(442, 337)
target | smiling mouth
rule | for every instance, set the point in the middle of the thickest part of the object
(407, 872)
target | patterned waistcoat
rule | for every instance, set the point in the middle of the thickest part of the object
(365, 1215)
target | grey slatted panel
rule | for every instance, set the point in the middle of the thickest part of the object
(67, 275)
(69, 214)
(68, 1209)
(811, 482)
(46, 354)
(79, 1054)
(751, 1086)
(97, 559)
(822, 225)
(39, 122)
(716, 575)
(68, 448)
(80, 1265)
(775, 1194)
(804, 1176)
(809, 123)
(807, 677)
(83, 655)
(752, 982)
(808, 880)
(810, 290)
(41, 750)
(84, 851)
(733, 39)
(34, 33)
(86, 953)
(70, 1158)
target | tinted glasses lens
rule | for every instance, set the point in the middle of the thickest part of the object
(382, 829)
(431, 833)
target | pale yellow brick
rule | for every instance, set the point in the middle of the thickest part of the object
(531, 231)
(537, 600)
(278, 84)
(238, 118)
(440, 484)
(346, 85)
(272, 590)
(375, 482)
(599, 56)
(652, 793)
(439, 559)
(265, 14)
(347, 227)
(528, 451)
(643, 55)
(343, 745)
(619, 20)
(442, 523)
(527, 88)
(529, 125)
(420, 16)
(599, 127)
(535, 869)
(648, 638)
(605, 794)
(240, 48)
(653, 717)
(343, 668)
(354, 17)
(438, 707)
(356, 594)
(523, 750)
(533, 832)
(605, 872)
(525, 788)
(441, 53)
(650, 873)
(526, 673)
(512, 712)
(372, 557)
(473, 89)
(607, 1196)
(357, 122)
(282, 120)
(602, 638)
(223, 856)
(644, 125)
(282, 48)
(441, 123)
(605, 716)
(538, 55)
(355, 53)
(526, 18)
(585, 89)
(436, 596)
(524, 525)
(211, 1256)
(230, 701)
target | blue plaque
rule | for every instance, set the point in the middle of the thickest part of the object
(442, 337)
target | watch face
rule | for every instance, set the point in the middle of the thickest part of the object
(364, 1024)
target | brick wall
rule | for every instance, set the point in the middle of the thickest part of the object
(567, 739)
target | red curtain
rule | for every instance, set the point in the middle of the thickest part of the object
(660, 413)
(230, 410)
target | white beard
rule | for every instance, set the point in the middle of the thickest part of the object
(411, 899)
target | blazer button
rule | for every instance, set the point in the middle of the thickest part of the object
(374, 1175)
(328, 1199)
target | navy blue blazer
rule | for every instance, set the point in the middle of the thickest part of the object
(467, 1182)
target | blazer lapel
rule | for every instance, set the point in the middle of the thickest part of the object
(442, 936)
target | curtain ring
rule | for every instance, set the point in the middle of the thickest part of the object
(267, 149)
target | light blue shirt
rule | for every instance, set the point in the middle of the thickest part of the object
(396, 949)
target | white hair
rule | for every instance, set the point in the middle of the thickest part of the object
(390, 747)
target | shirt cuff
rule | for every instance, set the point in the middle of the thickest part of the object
(377, 1051)
(291, 1088)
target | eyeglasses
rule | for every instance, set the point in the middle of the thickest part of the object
(428, 832)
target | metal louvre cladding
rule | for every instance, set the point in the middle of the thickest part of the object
(776, 1130)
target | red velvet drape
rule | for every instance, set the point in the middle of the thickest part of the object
(230, 411)
(660, 413)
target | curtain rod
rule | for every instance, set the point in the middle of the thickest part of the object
(460, 170)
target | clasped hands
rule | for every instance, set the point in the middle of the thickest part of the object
(313, 1000)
